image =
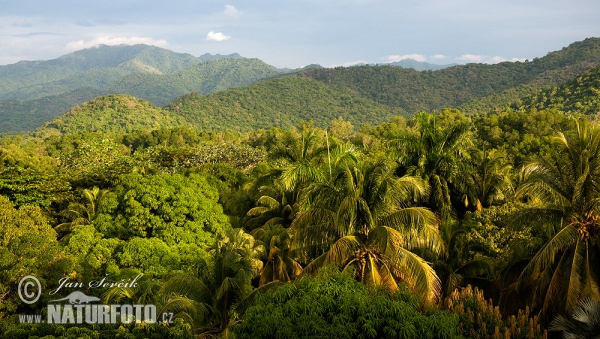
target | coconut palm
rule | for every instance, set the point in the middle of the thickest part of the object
(364, 218)
(459, 267)
(486, 179)
(82, 213)
(278, 261)
(303, 152)
(564, 194)
(435, 152)
(584, 322)
(275, 206)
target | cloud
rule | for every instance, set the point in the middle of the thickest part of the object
(111, 41)
(22, 24)
(396, 58)
(232, 12)
(34, 34)
(438, 57)
(484, 59)
(217, 36)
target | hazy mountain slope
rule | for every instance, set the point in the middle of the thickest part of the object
(282, 102)
(206, 77)
(419, 65)
(28, 115)
(34, 92)
(112, 113)
(93, 67)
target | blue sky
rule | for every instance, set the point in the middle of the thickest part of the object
(297, 33)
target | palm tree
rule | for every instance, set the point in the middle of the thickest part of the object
(364, 219)
(209, 300)
(303, 152)
(564, 194)
(459, 267)
(278, 262)
(82, 214)
(486, 179)
(434, 153)
(584, 322)
(275, 206)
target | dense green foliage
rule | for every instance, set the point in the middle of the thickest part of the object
(579, 95)
(282, 102)
(334, 305)
(325, 228)
(450, 87)
(112, 113)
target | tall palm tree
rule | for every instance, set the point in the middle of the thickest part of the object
(279, 263)
(303, 152)
(486, 179)
(275, 206)
(364, 218)
(435, 152)
(564, 193)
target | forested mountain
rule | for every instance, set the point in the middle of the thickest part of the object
(453, 86)
(34, 92)
(211, 76)
(93, 67)
(280, 102)
(114, 113)
(28, 115)
(580, 95)
(47, 89)
(419, 65)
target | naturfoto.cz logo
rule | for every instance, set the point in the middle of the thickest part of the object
(80, 308)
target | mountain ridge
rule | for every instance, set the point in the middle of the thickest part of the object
(162, 77)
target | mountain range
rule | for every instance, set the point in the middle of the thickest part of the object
(233, 92)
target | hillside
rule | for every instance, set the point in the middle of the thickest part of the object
(454, 86)
(111, 113)
(580, 95)
(50, 88)
(92, 67)
(282, 102)
(28, 115)
(34, 92)
(206, 77)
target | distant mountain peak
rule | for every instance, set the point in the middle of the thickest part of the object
(419, 65)
(208, 56)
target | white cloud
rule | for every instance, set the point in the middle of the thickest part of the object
(396, 58)
(473, 58)
(232, 12)
(111, 41)
(438, 57)
(217, 36)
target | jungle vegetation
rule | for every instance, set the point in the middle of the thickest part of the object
(438, 225)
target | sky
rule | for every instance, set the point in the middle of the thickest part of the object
(297, 33)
